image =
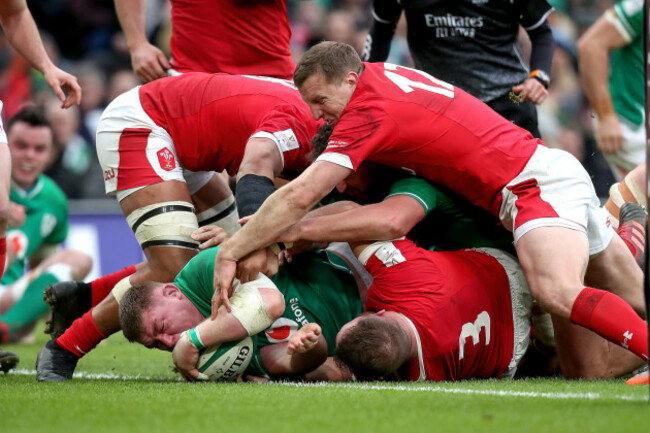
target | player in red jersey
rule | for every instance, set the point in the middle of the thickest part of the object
(156, 144)
(458, 314)
(410, 120)
(231, 36)
(445, 316)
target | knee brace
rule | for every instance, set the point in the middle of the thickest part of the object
(223, 214)
(164, 224)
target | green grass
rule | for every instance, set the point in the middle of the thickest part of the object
(141, 394)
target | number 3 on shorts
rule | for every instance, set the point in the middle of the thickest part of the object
(407, 85)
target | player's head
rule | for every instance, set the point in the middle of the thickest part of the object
(155, 314)
(326, 76)
(29, 135)
(372, 346)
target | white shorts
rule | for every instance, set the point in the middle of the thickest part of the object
(134, 152)
(554, 190)
(522, 306)
(631, 154)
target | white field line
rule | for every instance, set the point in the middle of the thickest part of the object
(443, 390)
(400, 388)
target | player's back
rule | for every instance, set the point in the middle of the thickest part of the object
(232, 36)
(437, 131)
(460, 305)
(210, 117)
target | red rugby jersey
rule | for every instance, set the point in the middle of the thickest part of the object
(460, 305)
(210, 118)
(232, 36)
(407, 119)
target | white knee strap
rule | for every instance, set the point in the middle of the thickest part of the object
(223, 214)
(164, 224)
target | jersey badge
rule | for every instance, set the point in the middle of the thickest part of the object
(166, 159)
(47, 224)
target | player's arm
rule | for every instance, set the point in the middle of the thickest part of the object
(148, 61)
(42, 253)
(594, 47)
(535, 88)
(392, 218)
(256, 305)
(5, 204)
(282, 209)
(385, 14)
(305, 351)
(261, 163)
(21, 31)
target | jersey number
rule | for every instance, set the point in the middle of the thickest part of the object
(407, 85)
(474, 330)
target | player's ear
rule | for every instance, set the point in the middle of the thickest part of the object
(170, 290)
(351, 79)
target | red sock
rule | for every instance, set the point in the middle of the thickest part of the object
(82, 336)
(3, 255)
(612, 318)
(101, 287)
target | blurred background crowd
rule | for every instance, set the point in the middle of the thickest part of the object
(83, 37)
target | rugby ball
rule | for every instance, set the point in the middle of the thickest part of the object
(225, 361)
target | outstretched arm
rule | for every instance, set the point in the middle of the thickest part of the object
(282, 209)
(148, 61)
(21, 31)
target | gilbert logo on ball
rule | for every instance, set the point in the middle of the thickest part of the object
(226, 361)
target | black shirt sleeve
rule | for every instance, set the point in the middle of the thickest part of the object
(386, 14)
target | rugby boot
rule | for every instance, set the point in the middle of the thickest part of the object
(642, 378)
(8, 360)
(68, 300)
(54, 363)
(632, 229)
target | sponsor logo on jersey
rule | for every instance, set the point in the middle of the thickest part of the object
(47, 224)
(297, 312)
(449, 26)
(333, 144)
(166, 159)
(281, 330)
(109, 174)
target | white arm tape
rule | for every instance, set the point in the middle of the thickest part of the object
(248, 305)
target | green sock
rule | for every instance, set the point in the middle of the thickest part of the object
(31, 306)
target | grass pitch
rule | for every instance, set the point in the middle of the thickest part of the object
(122, 387)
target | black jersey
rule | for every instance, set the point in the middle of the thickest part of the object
(471, 44)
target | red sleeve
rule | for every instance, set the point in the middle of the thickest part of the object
(292, 128)
(360, 132)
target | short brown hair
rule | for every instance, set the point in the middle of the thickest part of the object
(133, 305)
(372, 349)
(331, 59)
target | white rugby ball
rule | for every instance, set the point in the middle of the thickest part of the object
(226, 361)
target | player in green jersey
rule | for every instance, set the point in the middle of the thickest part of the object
(317, 295)
(38, 224)
(611, 67)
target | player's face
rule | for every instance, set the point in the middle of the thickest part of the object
(169, 314)
(357, 183)
(31, 147)
(327, 100)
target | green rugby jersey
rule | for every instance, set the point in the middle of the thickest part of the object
(450, 221)
(627, 79)
(46, 223)
(317, 287)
